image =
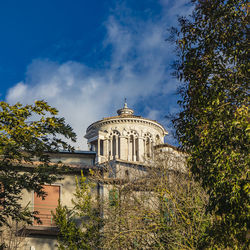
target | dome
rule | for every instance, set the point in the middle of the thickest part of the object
(126, 137)
(125, 110)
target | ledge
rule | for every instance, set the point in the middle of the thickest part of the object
(39, 230)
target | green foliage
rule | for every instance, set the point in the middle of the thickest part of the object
(71, 236)
(23, 141)
(164, 209)
(113, 197)
(213, 125)
(180, 220)
(79, 228)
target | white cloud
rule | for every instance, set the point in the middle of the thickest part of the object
(153, 114)
(174, 8)
(17, 91)
(136, 70)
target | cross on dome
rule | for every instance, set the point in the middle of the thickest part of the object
(125, 103)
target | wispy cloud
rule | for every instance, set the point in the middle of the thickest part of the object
(137, 68)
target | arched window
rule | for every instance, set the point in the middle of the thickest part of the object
(131, 146)
(148, 147)
(137, 149)
(115, 144)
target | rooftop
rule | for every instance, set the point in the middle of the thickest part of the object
(123, 113)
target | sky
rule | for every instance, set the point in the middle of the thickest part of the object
(84, 57)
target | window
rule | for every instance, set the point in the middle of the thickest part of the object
(148, 147)
(48, 205)
(113, 197)
(114, 145)
(101, 147)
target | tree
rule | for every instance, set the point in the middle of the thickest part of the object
(213, 124)
(163, 209)
(180, 220)
(79, 228)
(27, 134)
(11, 238)
(124, 211)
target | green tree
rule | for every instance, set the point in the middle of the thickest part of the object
(27, 134)
(213, 124)
(79, 228)
(180, 219)
(163, 209)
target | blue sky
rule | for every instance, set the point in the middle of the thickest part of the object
(84, 57)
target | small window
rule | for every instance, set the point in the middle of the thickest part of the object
(113, 197)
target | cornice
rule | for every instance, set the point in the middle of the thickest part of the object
(125, 119)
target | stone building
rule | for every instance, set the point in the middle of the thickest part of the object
(44, 236)
(125, 142)
(125, 137)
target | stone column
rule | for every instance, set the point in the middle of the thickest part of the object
(116, 146)
(128, 156)
(106, 148)
(111, 148)
(98, 151)
(141, 150)
(133, 149)
(152, 150)
(150, 147)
